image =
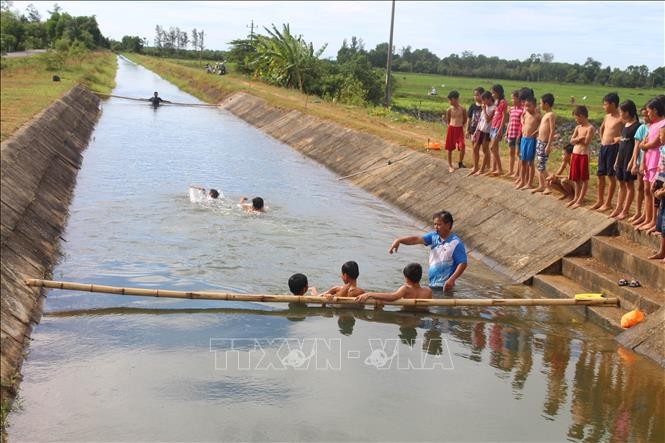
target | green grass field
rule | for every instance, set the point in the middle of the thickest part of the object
(411, 92)
(27, 85)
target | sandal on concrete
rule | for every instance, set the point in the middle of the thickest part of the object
(634, 284)
(623, 282)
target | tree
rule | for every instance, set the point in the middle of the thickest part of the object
(159, 33)
(184, 39)
(379, 55)
(56, 9)
(347, 52)
(32, 13)
(242, 52)
(201, 44)
(132, 43)
(283, 58)
(195, 39)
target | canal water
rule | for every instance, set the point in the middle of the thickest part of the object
(114, 368)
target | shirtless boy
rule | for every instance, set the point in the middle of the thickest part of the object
(530, 123)
(350, 273)
(610, 135)
(256, 205)
(544, 142)
(579, 162)
(456, 119)
(411, 288)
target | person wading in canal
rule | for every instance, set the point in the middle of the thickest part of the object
(155, 100)
(447, 255)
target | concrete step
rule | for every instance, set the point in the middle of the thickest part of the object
(558, 286)
(628, 231)
(629, 258)
(598, 277)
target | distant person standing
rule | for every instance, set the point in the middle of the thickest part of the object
(447, 256)
(455, 119)
(155, 100)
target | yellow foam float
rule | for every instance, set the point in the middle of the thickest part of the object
(589, 296)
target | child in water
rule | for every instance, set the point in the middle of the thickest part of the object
(298, 285)
(350, 273)
(411, 288)
(198, 194)
(256, 205)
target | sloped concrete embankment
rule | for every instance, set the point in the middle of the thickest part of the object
(514, 232)
(39, 165)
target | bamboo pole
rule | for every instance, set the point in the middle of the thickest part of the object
(209, 295)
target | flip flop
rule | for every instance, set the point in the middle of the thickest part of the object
(634, 284)
(623, 282)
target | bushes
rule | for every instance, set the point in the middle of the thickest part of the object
(284, 59)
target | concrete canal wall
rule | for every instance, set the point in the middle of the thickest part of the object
(39, 165)
(515, 232)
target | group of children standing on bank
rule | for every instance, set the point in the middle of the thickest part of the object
(631, 151)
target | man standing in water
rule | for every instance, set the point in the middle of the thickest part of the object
(156, 100)
(447, 255)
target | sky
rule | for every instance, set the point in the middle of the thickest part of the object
(616, 33)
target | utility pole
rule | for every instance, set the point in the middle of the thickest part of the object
(386, 101)
(251, 27)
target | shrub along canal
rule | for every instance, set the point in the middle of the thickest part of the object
(106, 367)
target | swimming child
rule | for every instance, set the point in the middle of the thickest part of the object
(257, 204)
(637, 167)
(483, 137)
(530, 123)
(579, 162)
(544, 142)
(496, 128)
(455, 119)
(411, 288)
(610, 135)
(628, 112)
(197, 194)
(350, 273)
(559, 180)
(514, 131)
(298, 285)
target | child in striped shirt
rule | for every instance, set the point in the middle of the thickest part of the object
(514, 131)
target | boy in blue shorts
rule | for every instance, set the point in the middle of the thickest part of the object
(530, 124)
(610, 136)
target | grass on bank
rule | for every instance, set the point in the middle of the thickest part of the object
(28, 87)
(190, 76)
(412, 92)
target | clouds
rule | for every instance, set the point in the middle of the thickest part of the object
(611, 32)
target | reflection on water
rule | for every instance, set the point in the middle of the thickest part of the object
(109, 367)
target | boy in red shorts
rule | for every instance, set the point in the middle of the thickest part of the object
(579, 162)
(456, 119)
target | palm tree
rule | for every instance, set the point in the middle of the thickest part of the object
(284, 59)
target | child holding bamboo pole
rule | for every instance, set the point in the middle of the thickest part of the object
(411, 288)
